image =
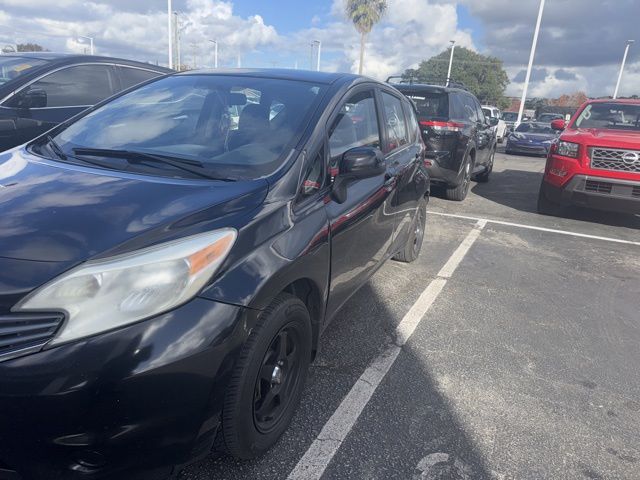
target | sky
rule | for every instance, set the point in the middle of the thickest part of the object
(580, 46)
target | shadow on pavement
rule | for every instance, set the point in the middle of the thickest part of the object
(518, 189)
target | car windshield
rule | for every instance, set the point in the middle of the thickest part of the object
(487, 112)
(13, 67)
(535, 128)
(611, 116)
(234, 127)
(548, 117)
(509, 116)
(431, 105)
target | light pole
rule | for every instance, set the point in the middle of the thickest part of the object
(453, 46)
(90, 42)
(531, 55)
(319, 44)
(624, 60)
(170, 32)
(215, 53)
(194, 46)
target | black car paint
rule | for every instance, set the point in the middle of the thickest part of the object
(148, 396)
(448, 151)
(20, 125)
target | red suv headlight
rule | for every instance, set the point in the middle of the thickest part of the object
(567, 149)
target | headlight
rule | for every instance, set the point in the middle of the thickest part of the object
(568, 149)
(104, 294)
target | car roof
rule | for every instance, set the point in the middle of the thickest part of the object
(634, 101)
(54, 58)
(424, 87)
(282, 74)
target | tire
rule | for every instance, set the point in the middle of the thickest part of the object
(273, 364)
(484, 176)
(546, 206)
(459, 193)
(412, 248)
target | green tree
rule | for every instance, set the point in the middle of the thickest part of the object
(31, 47)
(365, 14)
(482, 75)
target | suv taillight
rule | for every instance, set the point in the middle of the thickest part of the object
(440, 126)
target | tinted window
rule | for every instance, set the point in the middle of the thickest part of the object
(189, 117)
(470, 109)
(487, 112)
(412, 121)
(77, 86)
(355, 126)
(510, 116)
(480, 113)
(13, 67)
(458, 111)
(133, 76)
(394, 121)
(431, 105)
(314, 177)
(535, 128)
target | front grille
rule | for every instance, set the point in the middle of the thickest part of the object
(598, 187)
(615, 159)
(25, 333)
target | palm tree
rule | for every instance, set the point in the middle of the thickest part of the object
(365, 14)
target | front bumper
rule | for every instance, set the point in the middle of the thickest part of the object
(600, 193)
(137, 400)
(527, 148)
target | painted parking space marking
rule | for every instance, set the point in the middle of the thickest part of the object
(533, 227)
(316, 459)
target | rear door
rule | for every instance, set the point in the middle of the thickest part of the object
(361, 229)
(69, 90)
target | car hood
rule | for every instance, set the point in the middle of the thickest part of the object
(62, 214)
(535, 137)
(603, 138)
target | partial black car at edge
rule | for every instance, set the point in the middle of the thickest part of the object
(460, 140)
(169, 260)
(40, 90)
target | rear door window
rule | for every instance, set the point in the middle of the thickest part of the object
(412, 121)
(133, 76)
(397, 135)
(470, 109)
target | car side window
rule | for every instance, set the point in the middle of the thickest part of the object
(82, 85)
(470, 109)
(314, 178)
(458, 111)
(394, 120)
(481, 116)
(356, 125)
(133, 76)
(412, 121)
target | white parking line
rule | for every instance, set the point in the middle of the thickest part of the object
(316, 459)
(532, 227)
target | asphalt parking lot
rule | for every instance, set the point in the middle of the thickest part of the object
(508, 350)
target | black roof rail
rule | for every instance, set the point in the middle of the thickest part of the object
(438, 81)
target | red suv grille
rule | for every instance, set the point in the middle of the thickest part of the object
(615, 159)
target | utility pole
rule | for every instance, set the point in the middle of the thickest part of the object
(453, 46)
(531, 56)
(319, 43)
(195, 59)
(169, 32)
(215, 53)
(624, 60)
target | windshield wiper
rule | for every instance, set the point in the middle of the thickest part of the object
(55, 148)
(192, 166)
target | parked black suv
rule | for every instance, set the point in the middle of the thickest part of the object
(460, 140)
(166, 272)
(40, 90)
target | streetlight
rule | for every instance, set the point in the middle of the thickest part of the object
(531, 55)
(624, 60)
(170, 32)
(215, 53)
(319, 43)
(453, 46)
(90, 42)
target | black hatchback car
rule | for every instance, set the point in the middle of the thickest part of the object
(166, 270)
(460, 140)
(40, 90)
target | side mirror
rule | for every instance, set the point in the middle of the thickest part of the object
(357, 163)
(558, 124)
(493, 121)
(33, 98)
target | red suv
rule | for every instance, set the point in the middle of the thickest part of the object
(595, 162)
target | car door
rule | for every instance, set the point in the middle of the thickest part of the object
(68, 90)
(483, 132)
(361, 228)
(403, 152)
